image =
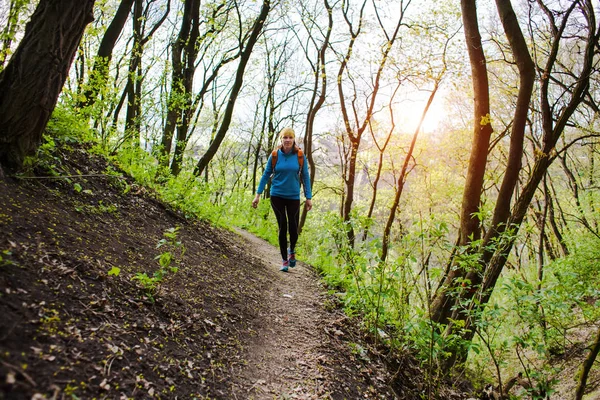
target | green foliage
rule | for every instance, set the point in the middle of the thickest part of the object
(100, 208)
(13, 24)
(169, 261)
(68, 126)
(64, 129)
(5, 258)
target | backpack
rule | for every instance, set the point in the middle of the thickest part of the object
(300, 157)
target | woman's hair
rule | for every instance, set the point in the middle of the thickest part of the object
(288, 132)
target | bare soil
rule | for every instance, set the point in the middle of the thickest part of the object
(226, 325)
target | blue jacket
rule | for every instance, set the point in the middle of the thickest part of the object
(285, 181)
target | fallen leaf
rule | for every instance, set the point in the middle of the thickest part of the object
(104, 385)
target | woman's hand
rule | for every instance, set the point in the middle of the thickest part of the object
(308, 204)
(255, 201)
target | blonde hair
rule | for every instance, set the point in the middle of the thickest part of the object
(287, 131)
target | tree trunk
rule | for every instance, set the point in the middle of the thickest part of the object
(355, 134)
(189, 68)
(190, 13)
(235, 90)
(587, 366)
(353, 137)
(186, 111)
(553, 224)
(470, 229)
(496, 258)
(34, 77)
(350, 182)
(99, 73)
(320, 74)
(134, 80)
(402, 177)
(526, 69)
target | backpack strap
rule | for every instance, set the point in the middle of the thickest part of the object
(300, 159)
(274, 158)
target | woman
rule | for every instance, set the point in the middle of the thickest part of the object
(285, 173)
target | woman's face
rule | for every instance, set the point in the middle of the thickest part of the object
(287, 141)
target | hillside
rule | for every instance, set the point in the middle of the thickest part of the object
(225, 325)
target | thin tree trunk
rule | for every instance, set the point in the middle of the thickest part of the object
(552, 220)
(99, 74)
(177, 77)
(235, 90)
(188, 65)
(320, 73)
(402, 177)
(134, 78)
(588, 363)
(360, 126)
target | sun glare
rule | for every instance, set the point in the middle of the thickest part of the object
(408, 114)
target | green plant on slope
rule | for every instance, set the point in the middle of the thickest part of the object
(168, 261)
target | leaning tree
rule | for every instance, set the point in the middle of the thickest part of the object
(35, 75)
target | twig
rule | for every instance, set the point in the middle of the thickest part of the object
(62, 176)
(27, 377)
(3, 338)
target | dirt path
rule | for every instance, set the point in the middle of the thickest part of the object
(302, 350)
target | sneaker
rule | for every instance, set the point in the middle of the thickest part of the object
(284, 266)
(291, 258)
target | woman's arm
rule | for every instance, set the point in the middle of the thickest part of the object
(306, 180)
(263, 182)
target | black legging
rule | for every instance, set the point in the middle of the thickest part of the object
(281, 207)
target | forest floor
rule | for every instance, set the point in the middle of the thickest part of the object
(226, 325)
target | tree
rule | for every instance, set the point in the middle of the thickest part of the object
(33, 79)
(235, 90)
(275, 96)
(135, 77)
(587, 366)
(557, 106)
(404, 172)
(319, 93)
(99, 74)
(184, 104)
(355, 124)
(183, 57)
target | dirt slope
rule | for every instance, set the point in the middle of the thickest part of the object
(226, 325)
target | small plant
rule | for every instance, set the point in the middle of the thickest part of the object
(3, 258)
(168, 261)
